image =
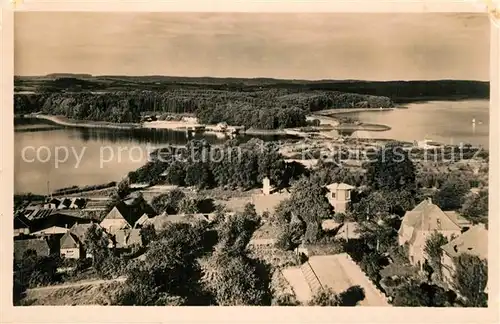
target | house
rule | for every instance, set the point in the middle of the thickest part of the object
(142, 220)
(220, 127)
(70, 246)
(53, 222)
(339, 196)
(52, 204)
(474, 242)
(335, 271)
(122, 216)
(64, 204)
(21, 225)
(464, 223)
(72, 243)
(191, 120)
(77, 203)
(419, 224)
(52, 230)
(38, 245)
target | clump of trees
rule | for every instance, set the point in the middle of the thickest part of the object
(392, 170)
(232, 165)
(475, 207)
(470, 279)
(168, 202)
(327, 297)
(32, 270)
(170, 273)
(232, 277)
(104, 260)
(300, 217)
(420, 294)
(452, 194)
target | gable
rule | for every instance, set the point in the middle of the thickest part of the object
(68, 241)
(428, 217)
(114, 214)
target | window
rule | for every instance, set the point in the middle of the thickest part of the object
(333, 195)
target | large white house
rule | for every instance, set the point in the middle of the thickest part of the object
(473, 242)
(419, 224)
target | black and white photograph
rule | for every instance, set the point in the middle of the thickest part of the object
(251, 159)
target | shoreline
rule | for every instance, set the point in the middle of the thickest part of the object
(333, 115)
(63, 121)
(179, 126)
(326, 117)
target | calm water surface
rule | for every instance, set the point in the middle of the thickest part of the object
(95, 155)
(448, 122)
(126, 150)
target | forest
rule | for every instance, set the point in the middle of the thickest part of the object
(258, 103)
(266, 109)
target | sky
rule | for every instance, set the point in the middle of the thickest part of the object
(279, 45)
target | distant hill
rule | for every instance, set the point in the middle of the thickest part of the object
(68, 75)
(398, 91)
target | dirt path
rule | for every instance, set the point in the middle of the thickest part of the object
(78, 284)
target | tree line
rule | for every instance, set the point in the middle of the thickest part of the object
(261, 108)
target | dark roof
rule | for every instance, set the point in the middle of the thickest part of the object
(41, 213)
(66, 202)
(21, 221)
(80, 202)
(56, 218)
(54, 201)
(40, 246)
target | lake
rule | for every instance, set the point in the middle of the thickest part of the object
(126, 150)
(447, 122)
(90, 155)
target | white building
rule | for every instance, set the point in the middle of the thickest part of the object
(339, 196)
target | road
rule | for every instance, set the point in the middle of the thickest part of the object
(78, 284)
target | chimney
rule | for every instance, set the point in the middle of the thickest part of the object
(429, 200)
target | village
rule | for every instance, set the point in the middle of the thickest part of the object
(366, 241)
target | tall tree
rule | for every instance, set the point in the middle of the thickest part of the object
(392, 170)
(434, 252)
(417, 294)
(470, 279)
(475, 207)
(452, 194)
(327, 297)
(168, 202)
(96, 244)
(234, 280)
